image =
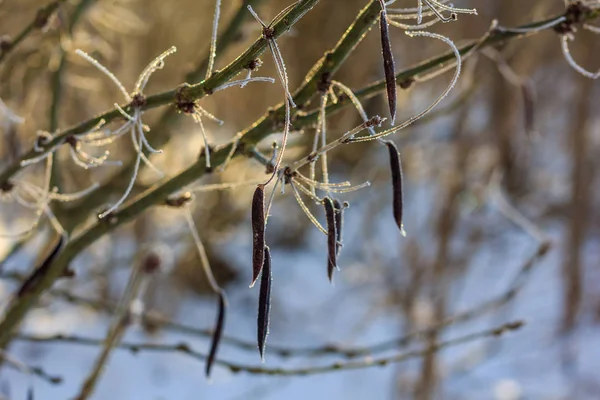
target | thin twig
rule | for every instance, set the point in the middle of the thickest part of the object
(17, 309)
(42, 16)
(189, 92)
(366, 362)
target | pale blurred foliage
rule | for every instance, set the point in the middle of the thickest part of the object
(447, 163)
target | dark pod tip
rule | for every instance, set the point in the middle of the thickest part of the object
(258, 232)
(331, 237)
(264, 304)
(339, 209)
(389, 67)
(217, 333)
(396, 169)
(41, 270)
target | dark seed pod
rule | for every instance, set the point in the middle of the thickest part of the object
(389, 67)
(264, 304)
(217, 333)
(41, 270)
(331, 237)
(396, 168)
(258, 232)
(339, 209)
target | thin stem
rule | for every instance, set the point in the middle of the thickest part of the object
(42, 16)
(451, 85)
(304, 208)
(201, 252)
(332, 145)
(18, 308)
(192, 92)
(212, 53)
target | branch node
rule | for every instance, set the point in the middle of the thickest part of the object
(406, 83)
(574, 15)
(43, 15)
(138, 101)
(7, 187)
(324, 83)
(254, 65)
(6, 44)
(268, 33)
(179, 201)
(184, 101)
(288, 175)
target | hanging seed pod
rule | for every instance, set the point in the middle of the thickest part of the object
(389, 67)
(258, 232)
(217, 333)
(41, 270)
(264, 304)
(396, 168)
(339, 209)
(331, 237)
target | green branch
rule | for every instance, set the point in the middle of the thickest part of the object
(41, 19)
(71, 217)
(191, 92)
(158, 194)
(320, 72)
(19, 306)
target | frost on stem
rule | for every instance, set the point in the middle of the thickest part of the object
(213, 39)
(191, 106)
(133, 117)
(267, 33)
(451, 85)
(300, 183)
(425, 9)
(252, 66)
(355, 102)
(566, 27)
(320, 133)
(38, 198)
(565, 39)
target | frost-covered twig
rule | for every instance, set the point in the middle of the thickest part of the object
(267, 33)
(133, 124)
(451, 85)
(157, 194)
